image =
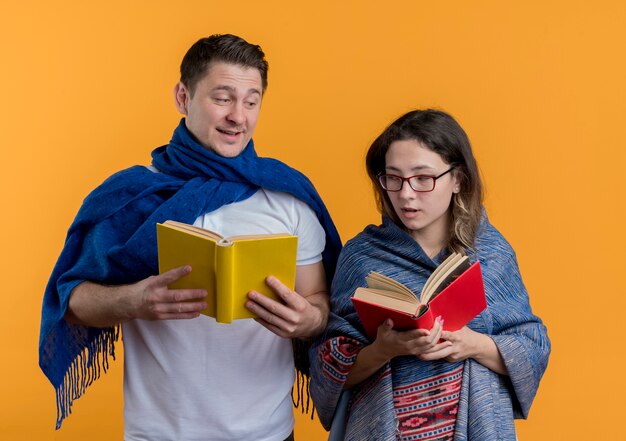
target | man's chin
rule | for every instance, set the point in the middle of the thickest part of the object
(228, 150)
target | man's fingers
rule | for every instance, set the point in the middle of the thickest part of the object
(272, 328)
(175, 295)
(180, 307)
(186, 307)
(179, 316)
(262, 305)
(287, 295)
(268, 309)
(173, 275)
(182, 295)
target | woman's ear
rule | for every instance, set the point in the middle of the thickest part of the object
(456, 181)
(181, 97)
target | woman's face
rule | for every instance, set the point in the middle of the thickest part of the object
(424, 214)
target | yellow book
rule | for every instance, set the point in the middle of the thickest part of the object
(227, 268)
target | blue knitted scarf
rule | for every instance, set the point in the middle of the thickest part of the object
(488, 401)
(113, 241)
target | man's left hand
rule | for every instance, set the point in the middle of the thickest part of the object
(296, 317)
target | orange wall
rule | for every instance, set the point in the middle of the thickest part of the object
(538, 85)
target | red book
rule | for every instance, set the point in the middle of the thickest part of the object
(454, 291)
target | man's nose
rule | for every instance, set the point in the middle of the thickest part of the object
(236, 114)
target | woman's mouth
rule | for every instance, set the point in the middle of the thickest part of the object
(409, 212)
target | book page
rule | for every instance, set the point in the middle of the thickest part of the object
(197, 231)
(437, 273)
(383, 298)
(445, 277)
(228, 240)
(381, 282)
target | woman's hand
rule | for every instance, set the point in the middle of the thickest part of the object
(466, 343)
(390, 343)
(462, 344)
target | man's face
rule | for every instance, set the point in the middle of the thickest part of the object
(223, 112)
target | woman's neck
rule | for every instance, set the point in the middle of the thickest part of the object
(431, 249)
(432, 240)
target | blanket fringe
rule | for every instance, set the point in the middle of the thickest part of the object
(301, 392)
(84, 370)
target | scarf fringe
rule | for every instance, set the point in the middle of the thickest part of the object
(84, 370)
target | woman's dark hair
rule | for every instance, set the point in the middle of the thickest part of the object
(439, 132)
(224, 48)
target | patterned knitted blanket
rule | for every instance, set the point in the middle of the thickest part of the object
(488, 402)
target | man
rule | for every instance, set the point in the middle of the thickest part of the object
(185, 376)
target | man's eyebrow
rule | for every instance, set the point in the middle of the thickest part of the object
(231, 89)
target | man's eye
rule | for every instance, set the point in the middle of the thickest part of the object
(250, 104)
(221, 100)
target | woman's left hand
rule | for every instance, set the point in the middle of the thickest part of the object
(465, 343)
(456, 346)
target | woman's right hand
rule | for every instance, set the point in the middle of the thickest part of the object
(391, 343)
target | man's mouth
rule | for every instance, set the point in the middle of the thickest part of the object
(230, 132)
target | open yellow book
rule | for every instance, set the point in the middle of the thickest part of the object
(227, 268)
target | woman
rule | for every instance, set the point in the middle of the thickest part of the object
(429, 383)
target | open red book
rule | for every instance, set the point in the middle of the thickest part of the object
(454, 291)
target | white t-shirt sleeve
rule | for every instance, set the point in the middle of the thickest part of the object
(311, 235)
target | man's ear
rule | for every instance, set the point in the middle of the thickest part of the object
(181, 97)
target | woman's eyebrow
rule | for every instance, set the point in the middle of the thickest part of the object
(417, 168)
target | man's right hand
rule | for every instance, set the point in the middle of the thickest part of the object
(92, 304)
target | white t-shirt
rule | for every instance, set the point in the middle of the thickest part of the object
(196, 379)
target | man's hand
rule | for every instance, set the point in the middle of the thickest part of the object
(295, 317)
(155, 301)
(96, 305)
(302, 314)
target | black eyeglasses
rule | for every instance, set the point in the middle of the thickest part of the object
(421, 183)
